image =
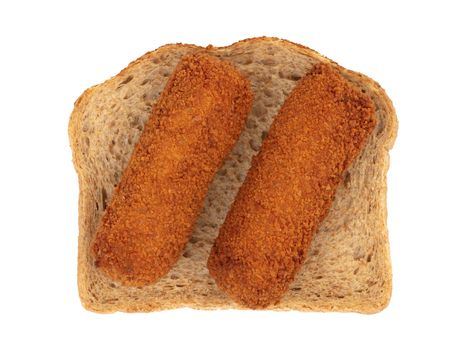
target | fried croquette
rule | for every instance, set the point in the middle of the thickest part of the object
(192, 128)
(321, 128)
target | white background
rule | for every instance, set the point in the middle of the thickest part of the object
(50, 52)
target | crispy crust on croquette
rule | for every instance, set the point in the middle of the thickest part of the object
(321, 128)
(193, 126)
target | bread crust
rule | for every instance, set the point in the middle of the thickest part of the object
(348, 266)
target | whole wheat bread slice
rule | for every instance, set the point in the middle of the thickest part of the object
(348, 265)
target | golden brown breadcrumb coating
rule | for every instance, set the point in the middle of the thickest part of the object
(193, 126)
(321, 128)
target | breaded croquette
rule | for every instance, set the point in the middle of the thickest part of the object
(321, 128)
(193, 127)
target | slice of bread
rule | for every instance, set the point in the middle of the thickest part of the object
(348, 265)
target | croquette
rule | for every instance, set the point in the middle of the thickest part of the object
(192, 128)
(321, 128)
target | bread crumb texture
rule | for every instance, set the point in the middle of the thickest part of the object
(346, 268)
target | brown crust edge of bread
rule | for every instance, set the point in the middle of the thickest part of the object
(386, 141)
